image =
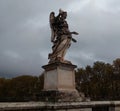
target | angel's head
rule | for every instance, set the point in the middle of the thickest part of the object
(60, 11)
(63, 13)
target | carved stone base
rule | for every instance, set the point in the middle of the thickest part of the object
(59, 76)
(59, 96)
(59, 82)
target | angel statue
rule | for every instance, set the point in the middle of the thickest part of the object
(61, 37)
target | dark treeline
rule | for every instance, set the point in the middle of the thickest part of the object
(99, 82)
(22, 88)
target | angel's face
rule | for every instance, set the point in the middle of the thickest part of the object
(64, 15)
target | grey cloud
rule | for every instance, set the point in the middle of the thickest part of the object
(25, 33)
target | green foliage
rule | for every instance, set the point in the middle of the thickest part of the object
(101, 81)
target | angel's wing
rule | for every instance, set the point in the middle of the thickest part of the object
(52, 20)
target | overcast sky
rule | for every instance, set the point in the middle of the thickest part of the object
(25, 33)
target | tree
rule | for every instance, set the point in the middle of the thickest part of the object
(100, 82)
(116, 78)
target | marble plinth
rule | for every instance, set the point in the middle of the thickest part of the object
(59, 82)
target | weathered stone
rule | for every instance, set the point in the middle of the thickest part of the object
(59, 82)
(61, 36)
(59, 76)
(61, 106)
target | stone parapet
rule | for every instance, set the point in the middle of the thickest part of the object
(62, 106)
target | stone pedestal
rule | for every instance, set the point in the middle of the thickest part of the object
(59, 82)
